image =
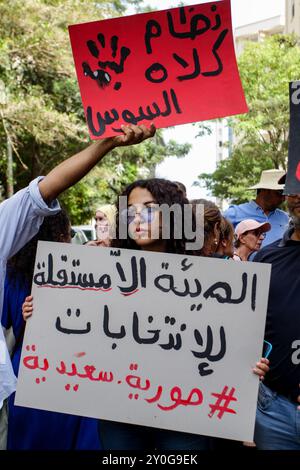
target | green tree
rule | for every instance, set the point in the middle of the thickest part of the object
(43, 118)
(266, 68)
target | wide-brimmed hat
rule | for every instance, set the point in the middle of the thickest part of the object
(251, 224)
(282, 180)
(269, 179)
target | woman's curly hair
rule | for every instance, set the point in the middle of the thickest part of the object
(53, 229)
(226, 229)
(163, 192)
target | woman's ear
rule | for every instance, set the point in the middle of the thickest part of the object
(242, 239)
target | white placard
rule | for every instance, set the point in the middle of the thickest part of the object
(154, 339)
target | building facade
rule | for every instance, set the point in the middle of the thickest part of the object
(258, 31)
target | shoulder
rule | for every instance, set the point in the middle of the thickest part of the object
(236, 213)
(239, 207)
(284, 215)
(265, 254)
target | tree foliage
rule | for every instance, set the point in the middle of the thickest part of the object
(43, 117)
(261, 136)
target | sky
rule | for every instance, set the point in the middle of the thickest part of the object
(243, 11)
(201, 158)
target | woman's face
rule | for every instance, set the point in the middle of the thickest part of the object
(252, 239)
(100, 219)
(143, 219)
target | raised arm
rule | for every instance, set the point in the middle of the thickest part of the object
(69, 172)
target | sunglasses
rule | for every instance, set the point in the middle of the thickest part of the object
(146, 214)
(257, 233)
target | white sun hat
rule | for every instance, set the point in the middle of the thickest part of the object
(269, 180)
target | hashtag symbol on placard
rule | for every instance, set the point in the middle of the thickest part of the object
(222, 404)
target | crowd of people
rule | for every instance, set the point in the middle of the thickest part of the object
(258, 230)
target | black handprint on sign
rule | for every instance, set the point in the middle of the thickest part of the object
(102, 77)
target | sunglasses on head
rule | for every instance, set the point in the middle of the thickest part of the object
(146, 214)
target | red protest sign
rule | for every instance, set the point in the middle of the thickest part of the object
(168, 67)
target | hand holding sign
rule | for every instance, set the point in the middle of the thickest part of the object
(134, 135)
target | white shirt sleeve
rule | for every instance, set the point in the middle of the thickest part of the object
(21, 217)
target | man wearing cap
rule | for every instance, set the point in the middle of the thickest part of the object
(265, 208)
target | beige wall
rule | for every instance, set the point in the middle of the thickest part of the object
(257, 31)
(292, 20)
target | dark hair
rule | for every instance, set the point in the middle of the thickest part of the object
(54, 228)
(163, 192)
(180, 186)
(237, 242)
(212, 217)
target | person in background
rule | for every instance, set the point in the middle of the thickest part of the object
(249, 237)
(30, 429)
(265, 207)
(105, 221)
(277, 418)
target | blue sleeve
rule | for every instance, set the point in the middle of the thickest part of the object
(230, 214)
